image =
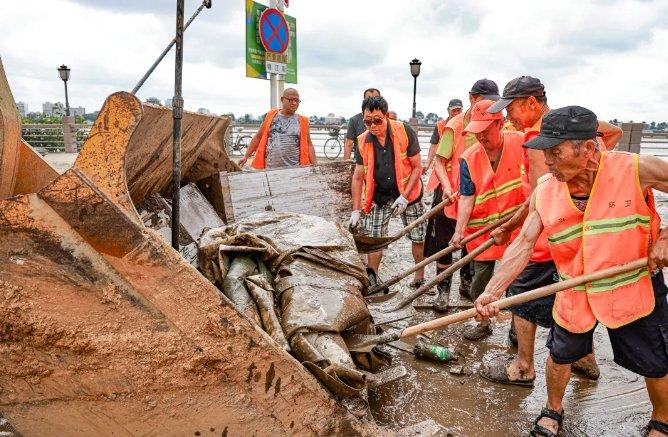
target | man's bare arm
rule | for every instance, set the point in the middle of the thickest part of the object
(431, 154)
(653, 173)
(311, 150)
(501, 234)
(252, 147)
(611, 134)
(356, 187)
(347, 148)
(464, 209)
(515, 259)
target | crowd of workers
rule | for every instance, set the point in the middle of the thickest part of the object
(567, 200)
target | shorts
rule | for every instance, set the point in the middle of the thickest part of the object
(377, 222)
(640, 346)
(535, 275)
(482, 274)
(440, 229)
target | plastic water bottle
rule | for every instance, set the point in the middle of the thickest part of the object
(433, 352)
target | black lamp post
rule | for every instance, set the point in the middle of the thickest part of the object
(65, 76)
(415, 72)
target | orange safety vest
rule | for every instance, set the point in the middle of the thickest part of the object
(497, 194)
(617, 226)
(261, 153)
(440, 127)
(456, 124)
(402, 164)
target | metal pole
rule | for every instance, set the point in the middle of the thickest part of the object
(205, 3)
(280, 77)
(273, 80)
(67, 101)
(414, 88)
(177, 111)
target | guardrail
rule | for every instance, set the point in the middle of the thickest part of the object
(49, 137)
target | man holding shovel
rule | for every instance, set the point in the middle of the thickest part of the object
(491, 188)
(591, 201)
(388, 173)
(525, 101)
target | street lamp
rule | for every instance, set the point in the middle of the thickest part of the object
(65, 76)
(415, 72)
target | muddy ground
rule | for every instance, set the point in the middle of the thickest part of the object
(468, 405)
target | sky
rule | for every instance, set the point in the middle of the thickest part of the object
(608, 55)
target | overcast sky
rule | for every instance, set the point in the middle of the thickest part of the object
(610, 56)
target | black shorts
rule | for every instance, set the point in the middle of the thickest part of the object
(440, 229)
(535, 275)
(640, 346)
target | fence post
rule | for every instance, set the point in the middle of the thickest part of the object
(69, 133)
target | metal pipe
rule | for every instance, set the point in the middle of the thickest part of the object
(414, 89)
(67, 101)
(205, 3)
(177, 111)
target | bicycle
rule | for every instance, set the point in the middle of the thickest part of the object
(241, 143)
(333, 147)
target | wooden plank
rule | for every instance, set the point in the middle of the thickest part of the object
(321, 190)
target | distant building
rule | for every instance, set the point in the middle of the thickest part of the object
(23, 108)
(203, 111)
(79, 110)
(154, 100)
(332, 119)
(47, 109)
(168, 103)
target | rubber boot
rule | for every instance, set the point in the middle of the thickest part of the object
(442, 301)
(465, 286)
(374, 280)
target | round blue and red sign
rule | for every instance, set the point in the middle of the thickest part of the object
(274, 32)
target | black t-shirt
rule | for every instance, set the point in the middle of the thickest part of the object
(386, 190)
(435, 136)
(356, 128)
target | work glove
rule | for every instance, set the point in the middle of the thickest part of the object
(354, 219)
(399, 206)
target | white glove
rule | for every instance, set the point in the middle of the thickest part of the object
(354, 219)
(399, 206)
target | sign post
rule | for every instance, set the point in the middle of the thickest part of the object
(271, 46)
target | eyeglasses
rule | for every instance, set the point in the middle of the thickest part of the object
(293, 100)
(377, 121)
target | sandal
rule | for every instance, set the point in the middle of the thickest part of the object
(656, 425)
(540, 430)
(498, 372)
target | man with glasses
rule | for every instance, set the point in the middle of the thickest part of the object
(388, 173)
(356, 126)
(283, 139)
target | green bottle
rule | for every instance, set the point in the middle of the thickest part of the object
(434, 352)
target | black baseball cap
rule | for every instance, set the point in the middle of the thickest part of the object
(455, 103)
(523, 86)
(567, 123)
(487, 88)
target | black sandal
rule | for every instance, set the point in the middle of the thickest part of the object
(656, 425)
(541, 431)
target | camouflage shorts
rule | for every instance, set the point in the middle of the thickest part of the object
(377, 222)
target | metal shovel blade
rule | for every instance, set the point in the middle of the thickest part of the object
(366, 244)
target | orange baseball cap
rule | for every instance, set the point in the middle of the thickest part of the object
(480, 118)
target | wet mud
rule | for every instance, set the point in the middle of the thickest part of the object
(465, 404)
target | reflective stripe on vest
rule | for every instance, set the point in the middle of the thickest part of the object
(402, 164)
(585, 242)
(456, 125)
(499, 193)
(259, 161)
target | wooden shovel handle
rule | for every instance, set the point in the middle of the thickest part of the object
(423, 217)
(525, 297)
(438, 255)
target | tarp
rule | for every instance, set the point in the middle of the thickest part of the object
(316, 278)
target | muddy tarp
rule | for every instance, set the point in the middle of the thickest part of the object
(317, 285)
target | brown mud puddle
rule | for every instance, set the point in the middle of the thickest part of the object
(468, 405)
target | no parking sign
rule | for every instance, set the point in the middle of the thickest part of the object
(274, 31)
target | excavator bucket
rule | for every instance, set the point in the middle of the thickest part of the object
(22, 169)
(105, 329)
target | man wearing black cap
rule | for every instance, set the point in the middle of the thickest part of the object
(525, 101)
(444, 180)
(586, 206)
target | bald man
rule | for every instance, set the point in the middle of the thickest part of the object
(283, 139)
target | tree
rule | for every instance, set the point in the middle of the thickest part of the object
(662, 126)
(431, 118)
(419, 115)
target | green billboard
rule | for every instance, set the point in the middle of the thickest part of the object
(255, 53)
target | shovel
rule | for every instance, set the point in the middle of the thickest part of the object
(405, 300)
(438, 255)
(365, 343)
(366, 244)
